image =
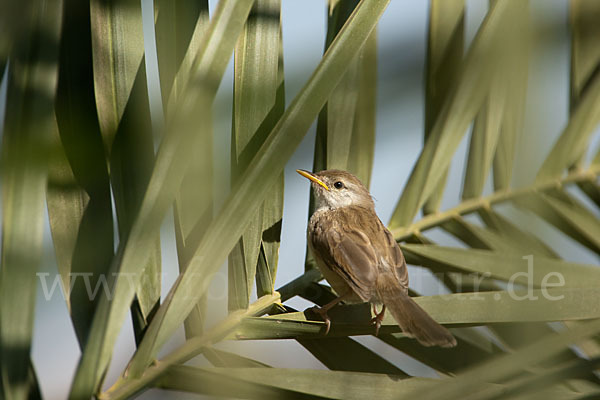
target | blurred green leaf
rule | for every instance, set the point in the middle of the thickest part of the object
(345, 142)
(474, 205)
(502, 265)
(334, 126)
(342, 101)
(567, 215)
(301, 384)
(590, 348)
(268, 257)
(585, 54)
(180, 26)
(511, 335)
(261, 173)
(6, 36)
(478, 237)
(520, 238)
(127, 386)
(463, 100)
(131, 162)
(67, 202)
(3, 60)
(193, 212)
(258, 103)
(223, 382)
(484, 138)
(179, 29)
(287, 383)
(346, 354)
(299, 284)
(596, 160)
(514, 336)
(174, 152)
(592, 191)
(578, 368)
(362, 145)
(87, 265)
(118, 48)
(516, 72)
(445, 47)
(448, 361)
(472, 381)
(573, 141)
(220, 358)
(32, 384)
(272, 217)
(26, 136)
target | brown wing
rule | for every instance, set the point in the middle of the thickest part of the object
(357, 261)
(358, 247)
(392, 255)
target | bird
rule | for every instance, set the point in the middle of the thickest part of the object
(360, 259)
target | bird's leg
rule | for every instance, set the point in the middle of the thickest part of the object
(322, 311)
(378, 319)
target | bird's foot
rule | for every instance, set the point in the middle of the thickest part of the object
(322, 312)
(378, 319)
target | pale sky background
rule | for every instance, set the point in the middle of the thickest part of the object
(402, 42)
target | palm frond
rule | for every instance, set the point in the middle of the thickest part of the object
(512, 260)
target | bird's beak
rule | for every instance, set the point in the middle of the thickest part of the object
(313, 178)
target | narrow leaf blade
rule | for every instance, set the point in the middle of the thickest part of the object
(118, 47)
(27, 131)
(445, 47)
(503, 266)
(362, 145)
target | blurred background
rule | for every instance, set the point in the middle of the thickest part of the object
(402, 37)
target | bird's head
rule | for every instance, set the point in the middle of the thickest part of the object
(335, 188)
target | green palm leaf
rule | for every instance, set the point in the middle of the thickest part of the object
(29, 125)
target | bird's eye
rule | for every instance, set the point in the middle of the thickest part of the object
(338, 185)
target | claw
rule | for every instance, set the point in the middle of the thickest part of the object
(323, 314)
(378, 319)
(322, 311)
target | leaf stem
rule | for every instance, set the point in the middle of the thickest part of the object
(468, 206)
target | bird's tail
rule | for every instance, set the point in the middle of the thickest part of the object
(413, 320)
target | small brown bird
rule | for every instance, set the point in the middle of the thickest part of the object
(360, 259)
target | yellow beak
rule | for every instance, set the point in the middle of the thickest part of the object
(313, 178)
